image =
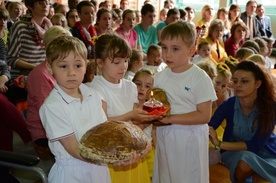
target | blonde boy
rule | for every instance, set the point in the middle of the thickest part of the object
(69, 111)
(182, 148)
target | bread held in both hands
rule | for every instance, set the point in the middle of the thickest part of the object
(112, 141)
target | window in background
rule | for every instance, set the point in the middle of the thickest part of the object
(198, 4)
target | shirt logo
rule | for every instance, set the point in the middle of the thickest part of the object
(187, 88)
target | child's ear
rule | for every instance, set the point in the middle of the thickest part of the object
(49, 68)
(99, 63)
(192, 50)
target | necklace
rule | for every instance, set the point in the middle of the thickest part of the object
(126, 34)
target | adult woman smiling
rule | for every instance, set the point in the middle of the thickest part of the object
(214, 38)
(237, 38)
(249, 138)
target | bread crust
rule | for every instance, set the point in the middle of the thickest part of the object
(111, 142)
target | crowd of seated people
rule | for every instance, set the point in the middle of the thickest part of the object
(224, 38)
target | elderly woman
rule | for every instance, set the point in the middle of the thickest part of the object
(233, 43)
(214, 38)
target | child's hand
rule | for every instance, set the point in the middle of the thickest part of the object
(134, 157)
(213, 136)
(141, 116)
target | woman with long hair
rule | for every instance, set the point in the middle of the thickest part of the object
(248, 146)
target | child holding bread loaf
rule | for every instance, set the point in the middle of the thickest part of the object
(120, 98)
(71, 109)
(62, 118)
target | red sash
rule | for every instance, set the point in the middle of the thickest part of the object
(91, 30)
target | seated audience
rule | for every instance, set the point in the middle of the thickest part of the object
(59, 19)
(154, 61)
(126, 30)
(147, 34)
(183, 15)
(4, 15)
(61, 8)
(72, 17)
(237, 38)
(169, 4)
(253, 45)
(25, 46)
(72, 4)
(190, 14)
(214, 38)
(234, 14)
(251, 21)
(15, 11)
(204, 54)
(207, 15)
(135, 64)
(221, 83)
(257, 58)
(269, 42)
(243, 53)
(51, 12)
(264, 22)
(124, 5)
(172, 16)
(163, 14)
(222, 14)
(103, 21)
(83, 29)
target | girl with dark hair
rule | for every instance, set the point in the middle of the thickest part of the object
(248, 146)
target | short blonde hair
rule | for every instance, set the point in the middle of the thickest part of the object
(209, 68)
(136, 55)
(257, 58)
(62, 46)
(180, 29)
(262, 44)
(224, 70)
(214, 24)
(54, 32)
(61, 17)
(204, 8)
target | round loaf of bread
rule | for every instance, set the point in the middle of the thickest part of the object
(111, 142)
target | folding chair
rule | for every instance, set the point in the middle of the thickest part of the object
(22, 161)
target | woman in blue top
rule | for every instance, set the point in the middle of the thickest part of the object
(249, 141)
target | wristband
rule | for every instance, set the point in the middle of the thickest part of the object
(217, 147)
